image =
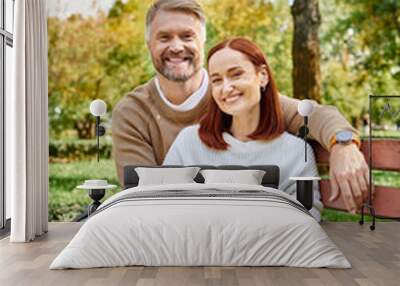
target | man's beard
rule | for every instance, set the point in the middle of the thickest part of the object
(191, 70)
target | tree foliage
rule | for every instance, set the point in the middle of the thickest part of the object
(376, 26)
(77, 49)
(360, 43)
(268, 23)
(96, 57)
(106, 56)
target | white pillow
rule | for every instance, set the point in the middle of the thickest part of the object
(165, 176)
(248, 177)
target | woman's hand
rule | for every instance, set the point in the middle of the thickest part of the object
(349, 175)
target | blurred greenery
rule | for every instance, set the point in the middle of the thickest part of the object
(334, 215)
(72, 149)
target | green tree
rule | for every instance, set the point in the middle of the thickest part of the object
(359, 53)
(376, 25)
(77, 48)
(95, 57)
(267, 23)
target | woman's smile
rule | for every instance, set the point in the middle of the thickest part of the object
(232, 98)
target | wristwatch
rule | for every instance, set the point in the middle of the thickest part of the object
(344, 137)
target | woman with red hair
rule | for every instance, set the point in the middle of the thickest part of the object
(244, 123)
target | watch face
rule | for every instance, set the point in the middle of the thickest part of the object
(343, 136)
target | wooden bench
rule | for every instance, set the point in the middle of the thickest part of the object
(385, 157)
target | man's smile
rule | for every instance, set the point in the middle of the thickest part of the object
(177, 60)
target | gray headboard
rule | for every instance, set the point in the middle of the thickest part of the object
(271, 177)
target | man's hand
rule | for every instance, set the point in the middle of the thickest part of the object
(349, 173)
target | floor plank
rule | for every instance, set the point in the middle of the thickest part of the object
(374, 255)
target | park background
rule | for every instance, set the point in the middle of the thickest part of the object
(335, 52)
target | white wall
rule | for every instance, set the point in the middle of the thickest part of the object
(8, 83)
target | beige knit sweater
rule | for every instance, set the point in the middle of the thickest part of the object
(144, 127)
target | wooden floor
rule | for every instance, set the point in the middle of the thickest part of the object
(375, 256)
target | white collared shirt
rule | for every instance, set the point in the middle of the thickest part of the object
(192, 100)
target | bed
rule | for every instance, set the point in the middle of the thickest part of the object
(201, 224)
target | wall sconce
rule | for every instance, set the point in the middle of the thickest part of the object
(96, 188)
(304, 185)
(305, 108)
(98, 108)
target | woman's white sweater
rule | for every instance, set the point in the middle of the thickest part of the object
(286, 151)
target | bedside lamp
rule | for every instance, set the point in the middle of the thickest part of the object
(98, 108)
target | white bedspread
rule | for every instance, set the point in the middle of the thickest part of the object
(181, 231)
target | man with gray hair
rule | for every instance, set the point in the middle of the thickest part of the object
(146, 121)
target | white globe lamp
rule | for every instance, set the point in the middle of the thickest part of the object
(305, 108)
(98, 108)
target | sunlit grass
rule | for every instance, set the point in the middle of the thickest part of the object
(65, 201)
